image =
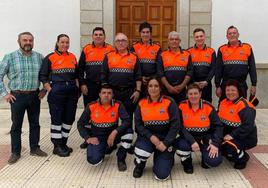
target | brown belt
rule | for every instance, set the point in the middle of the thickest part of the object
(23, 92)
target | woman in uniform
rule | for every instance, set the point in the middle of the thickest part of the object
(156, 120)
(238, 117)
(59, 75)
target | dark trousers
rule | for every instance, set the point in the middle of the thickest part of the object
(62, 100)
(234, 150)
(96, 153)
(31, 104)
(93, 92)
(124, 95)
(183, 149)
(179, 97)
(207, 92)
(163, 161)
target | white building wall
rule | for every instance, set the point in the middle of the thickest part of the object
(45, 19)
(249, 16)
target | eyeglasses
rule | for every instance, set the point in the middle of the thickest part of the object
(120, 40)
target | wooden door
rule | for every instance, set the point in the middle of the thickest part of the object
(161, 14)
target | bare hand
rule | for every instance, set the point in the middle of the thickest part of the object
(213, 151)
(135, 96)
(253, 90)
(195, 147)
(228, 137)
(42, 93)
(84, 89)
(48, 89)
(155, 140)
(10, 98)
(161, 146)
(172, 90)
(203, 84)
(93, 141)
(179, 88)
(144, 80)
(218, 92)
(111, 138)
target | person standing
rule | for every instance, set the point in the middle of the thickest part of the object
(176, 69)
(235, 60)
(59, 75)
(89, 66)
(204, 62)
(121, 70)
(22, 68)
(148, 53)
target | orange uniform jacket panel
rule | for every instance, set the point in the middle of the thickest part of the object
(157, 118)
(120, 70)
(148, 55)
(175, 66)
(204, 62)
(90, 62)
(59, 67)
(235, 63)
(202, 123)
(238, 118)
(103, 121)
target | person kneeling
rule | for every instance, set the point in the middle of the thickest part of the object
(201, 131)
(156, 120)
(240, 132)
(103, 116)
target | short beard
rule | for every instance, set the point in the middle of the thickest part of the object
(26, 48)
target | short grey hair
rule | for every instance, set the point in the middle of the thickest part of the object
(174, 33)
(25, 33)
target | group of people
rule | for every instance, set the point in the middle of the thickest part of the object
(168, 92)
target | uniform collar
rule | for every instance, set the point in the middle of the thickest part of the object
(128, 51)
(60, 53)
(150, 42)
(236, 100)
(204, 47)
(180, 49)
(94, 45)
(160, 98)
(200, 104)
(239, 43)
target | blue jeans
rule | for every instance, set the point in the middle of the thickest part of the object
(31, 104)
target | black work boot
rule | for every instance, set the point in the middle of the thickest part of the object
(204, 165)
(121, 157)
(138, 170)
(64, 144)
(60, 151)
(122, 166)
(188, 166)
(242, 162)
(84, 145)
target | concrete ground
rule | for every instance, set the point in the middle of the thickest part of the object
(74, 171)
